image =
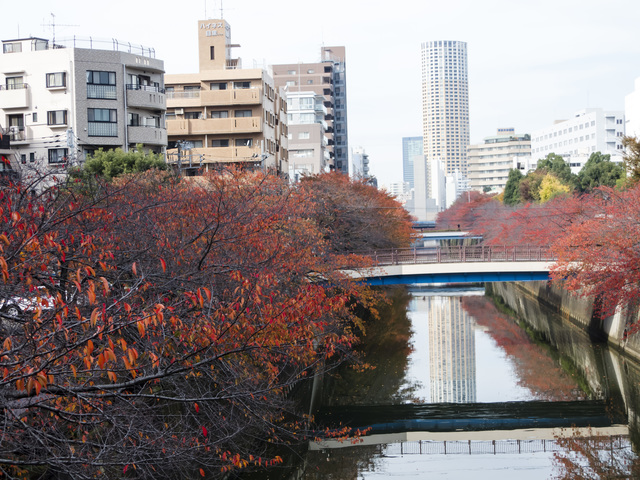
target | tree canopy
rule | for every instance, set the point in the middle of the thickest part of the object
(599, 171)
(113, 163)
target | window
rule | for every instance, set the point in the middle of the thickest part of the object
(34, 117)
(310, 70)
(303, 136)
(218, 85)
(102, 122)
(101, 85)
(58, 155)
(244, 142)
(192, 115)
(14, 83)
(58, 79)
(309, 82)
(23, 159)
(220, 114)
(32, 157)
(291, 72)
(212, 54)
(14, 47)
(241, 85)
(134, 120)
(57, 117)
(219, 143)
(291, 83)
(242, 113)
(302, 153)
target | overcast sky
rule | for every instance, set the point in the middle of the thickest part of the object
(530, 62)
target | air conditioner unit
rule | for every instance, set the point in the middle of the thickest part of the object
(179, 111)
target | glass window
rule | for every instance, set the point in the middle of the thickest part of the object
(291, 72)
(34, 117)
(134, 120)
(244, 142)
(58, 155)
(220, 143)
(192, 115)
(58, 79)
(14, 83)
(242, 113)
(101, 84)
(218, 85)
(57, 117)
(14, 47)
(303, 135)
(102, 122)
(220, 114)
(241, 84)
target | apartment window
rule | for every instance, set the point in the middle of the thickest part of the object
(220, 114)
(23, 159)
(133, 120)
(303, 136)
(309, 82)
(291, 83)
(244, 142)
(302, 153)
(212, 54)
(241, 85)
(220, 143)
(242, 113)
(102, 122)
(218, 85)
(57, 117)
(58, 155)
(58, 79)
(101, 84)
(32, 157)
(310, 70)
(291, 72)
(34, 117)
(14, 47)
(14, 83)
(192, 115)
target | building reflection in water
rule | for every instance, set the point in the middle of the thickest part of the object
(452, 351)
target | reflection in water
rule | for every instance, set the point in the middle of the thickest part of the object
(452, 351)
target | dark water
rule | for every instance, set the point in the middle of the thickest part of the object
(438, 349)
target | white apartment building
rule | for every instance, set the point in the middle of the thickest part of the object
(308, 154)
(359, 163)
(589, 130)
(445, 106)
(60, 103)
(490, 162)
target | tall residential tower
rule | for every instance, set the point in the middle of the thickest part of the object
(445, 108)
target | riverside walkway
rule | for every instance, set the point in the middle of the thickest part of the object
(458, 264)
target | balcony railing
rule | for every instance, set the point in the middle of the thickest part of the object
(145, 88)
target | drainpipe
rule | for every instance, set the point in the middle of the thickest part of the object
(126, 112)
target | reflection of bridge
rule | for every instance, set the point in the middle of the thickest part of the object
(459, 264)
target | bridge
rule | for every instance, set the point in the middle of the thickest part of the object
(458, 264)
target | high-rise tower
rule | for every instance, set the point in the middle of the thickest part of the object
(445, 108)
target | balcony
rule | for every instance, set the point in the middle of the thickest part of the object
(20, 135)
(147, 135)
(16, 97)
(214, 126)
(196, 98)
(227, 154)
(142, 96)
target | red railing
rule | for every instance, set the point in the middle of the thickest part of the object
(462, 253)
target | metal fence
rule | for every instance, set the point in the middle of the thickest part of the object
(463, 253)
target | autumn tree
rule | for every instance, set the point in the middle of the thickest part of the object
(356, 216)
(632, 157)
(165, 323)
(551, 187)
(557, 166)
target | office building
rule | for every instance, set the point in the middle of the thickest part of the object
(326, 78)
(445, 108)
(60, 103)
(587, 131)
(225, 114)
(412, 148)
(491, 161)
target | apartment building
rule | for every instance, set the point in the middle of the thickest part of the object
(359, 163)
(325, 79)
(490, 162)
(225, 114)
(445, 108)
(60, 103)
(589, 130)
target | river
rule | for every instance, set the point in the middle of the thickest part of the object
(451, 354)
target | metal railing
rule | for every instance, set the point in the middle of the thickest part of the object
(462, 253)
(144, 88)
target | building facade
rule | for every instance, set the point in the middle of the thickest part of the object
(445, 106)
(60, 103)
(412, 149)
(588, 131)
(491, 161)
(225, 114)
(359, 163)
(327, 79)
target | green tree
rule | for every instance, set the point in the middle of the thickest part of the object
(556, 165)
(529, 188)
(599, 171)
(512, 188)
(113, 163)
(632, 157)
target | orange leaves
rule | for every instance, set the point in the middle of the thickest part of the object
(205, 432)
(163, 264)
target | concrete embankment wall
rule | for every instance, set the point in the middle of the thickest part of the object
(578, 310)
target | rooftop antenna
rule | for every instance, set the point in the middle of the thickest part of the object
(221, 11)
(53, 26)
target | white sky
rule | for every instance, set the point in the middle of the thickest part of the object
(530, 62)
